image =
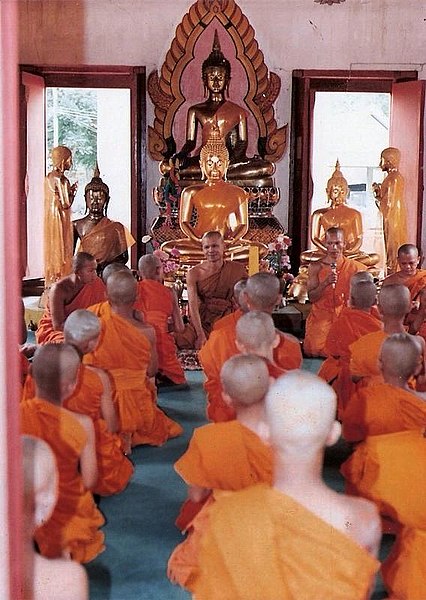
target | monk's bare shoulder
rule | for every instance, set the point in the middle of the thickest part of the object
(395, 278)
(362, 523)
(60, 579)
(288, 337)
(197, 273)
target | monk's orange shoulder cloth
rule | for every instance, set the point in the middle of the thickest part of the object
(391, 470)
(261, 544)
(155, 301)
(365, 352)
(382, 408)
(91, 293)
(228, 320)
(114, 469)
(75, 522)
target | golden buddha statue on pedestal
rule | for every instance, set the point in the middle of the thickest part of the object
(232, 122)
(336, 214)
(214, 205)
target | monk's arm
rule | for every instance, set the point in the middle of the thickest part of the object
(316, 287)
(193, 305)
(108, 411)
(178, 325)
(416, 318)
(185, 212)
(88, 462)
(57, 306)
(153, 362)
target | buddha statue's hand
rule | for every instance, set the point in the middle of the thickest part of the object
(73, 189)
(377, 190)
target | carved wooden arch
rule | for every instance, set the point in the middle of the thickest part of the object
(263, 87)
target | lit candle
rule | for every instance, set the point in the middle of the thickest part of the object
(253, 260)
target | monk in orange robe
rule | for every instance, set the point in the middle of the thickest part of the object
(81, 289)
(240, 307)
(206, 467)
(390, 406)
(129, 356)
(328, 290)
(356, 320)
(390, 470)
(415, 279)
(160, 307)
(261, 293)
(279, 542)
(73, 528)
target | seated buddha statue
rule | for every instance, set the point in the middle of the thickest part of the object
(108, 241)
(338, 214)
(214, 205)
(232, 122)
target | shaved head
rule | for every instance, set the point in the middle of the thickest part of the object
(239, 297)
(363, 294)
(121, 288)
(245, 378)
(300, 411)
(80, 260)
(54, 369)
(400, 356)
(255, 329)
(394, 300)
(81, 326)
(262, 291)
(148, 266)
(408, 249)
(114, 267)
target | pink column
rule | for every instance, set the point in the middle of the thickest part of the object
(10, 448)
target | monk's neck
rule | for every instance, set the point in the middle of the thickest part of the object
(298, 473)
(393, 325)
(253, 417)
(396, 381)
(123, 310)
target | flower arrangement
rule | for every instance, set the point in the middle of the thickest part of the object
(170, 260)
(277, 260)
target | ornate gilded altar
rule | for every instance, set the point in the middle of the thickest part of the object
(253, 88)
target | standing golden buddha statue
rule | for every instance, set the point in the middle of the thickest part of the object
(58, 198)
(390, 201)
(232, 122)
(214, 205)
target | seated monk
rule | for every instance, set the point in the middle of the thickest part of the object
(328, 289)
(160, 307)
(43, 578)
(205, 466)
(210, 287)
(215, 205)
(415, 279)
(127, 351)
(394, 304)
(338, 214)
(357, 319)
(78, 290)
(73, 529)
(390, 470)
(280, 542)
(93, 397)
(232, 122)
(262, 293)
(390, 406)
(108, 241)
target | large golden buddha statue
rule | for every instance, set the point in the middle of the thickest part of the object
(232, 122)
(214, 205)
(338, 214)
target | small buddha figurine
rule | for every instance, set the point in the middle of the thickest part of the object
(108, 241)
(58, 198)
(215, 205)
(390, 201)
(232, 122)
(338, 214)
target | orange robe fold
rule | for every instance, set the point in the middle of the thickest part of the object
(124, 351)
(364, 357)
(228, 320)
(415, 284)
(391, 470)
(106, 241)
(219, 347)
(382, 408)
(114, 469)
(262, 544)
(75, 522)
(155, 301)
(349, 326)
(206, 464)
(326, 310)
(91, 293)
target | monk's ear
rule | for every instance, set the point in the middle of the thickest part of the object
(334, 434)
(227, 399)
(240, 347)
(276, 341)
